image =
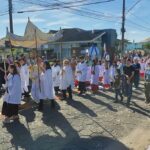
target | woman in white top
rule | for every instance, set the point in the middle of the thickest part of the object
(12, 97)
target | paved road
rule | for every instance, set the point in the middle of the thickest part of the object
(91, 122)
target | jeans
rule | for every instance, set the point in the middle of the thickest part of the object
(147, 91)
(136, 80)
(128, 91)
(117, 93)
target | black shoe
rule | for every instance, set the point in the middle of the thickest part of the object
(52, 104)
(70, 98)
(63, 98)
(40, 108)
(116, 101)
(121, 98)
(128, 104)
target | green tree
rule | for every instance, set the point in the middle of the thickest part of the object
(147, 46)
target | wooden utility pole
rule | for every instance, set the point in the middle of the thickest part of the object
(123, 30)
(10, 16)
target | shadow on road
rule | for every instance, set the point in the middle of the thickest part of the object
(100, 102)
(21, 136)
(81, 107)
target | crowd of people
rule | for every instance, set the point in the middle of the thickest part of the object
(37, 78)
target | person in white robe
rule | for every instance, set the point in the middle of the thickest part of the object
(88, 76)
(37, 89)
(94, 76)
(56, 76)
(48, 83)
(113, 70)
(66, 80)
(101, 71)
(24, 74)
(81, 70)
(106, 77)
(142, 69)
(12, 96)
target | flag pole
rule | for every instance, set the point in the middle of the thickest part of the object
(36, 45)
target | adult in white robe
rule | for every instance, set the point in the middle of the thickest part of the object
(37, 90)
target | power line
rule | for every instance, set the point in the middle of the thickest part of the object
(57, 5)
(86, 13)
(134, 5)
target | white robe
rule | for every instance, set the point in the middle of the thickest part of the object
(66, 79)
(37, 90)
(83, 68)
(112, 73)
(56, 75)
(13, 84)
(101, 70)
(106, 76)
(24, 74)
(48, 85)
(88, 76)
(143, 65)
(95, 76)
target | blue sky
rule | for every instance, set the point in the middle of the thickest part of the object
(137, 25)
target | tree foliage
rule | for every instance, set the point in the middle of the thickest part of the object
(147, 45)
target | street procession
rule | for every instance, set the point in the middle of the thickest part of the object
(83, 85)
(35, 78)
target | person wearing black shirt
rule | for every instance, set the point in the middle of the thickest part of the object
(136, 67)
(128, 71)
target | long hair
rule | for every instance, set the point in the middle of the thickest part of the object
(12, 66)
(47, 65)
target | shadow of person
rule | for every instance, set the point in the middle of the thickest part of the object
(29, 114)
(21, 137)
(58, 122)
(47, 142)
(107, 96)
(95, 143)
(81, 107)
(100, 102)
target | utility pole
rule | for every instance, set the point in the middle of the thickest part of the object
(123, 30)
(10, 16)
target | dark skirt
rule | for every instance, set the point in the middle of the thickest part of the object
(10, 110)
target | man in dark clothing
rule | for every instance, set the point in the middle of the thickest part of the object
(137, 68)
(2, 75)
(129, 77)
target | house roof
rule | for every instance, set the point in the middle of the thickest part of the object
(76, 34)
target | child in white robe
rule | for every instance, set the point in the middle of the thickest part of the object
(94, 76)
(66, 80)
(142, 69)
(47, 85)
(88, 76)
(106, 77)
(24, 74)
(101, 71)
(56, 76)
(82, 74)
(12, 97)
